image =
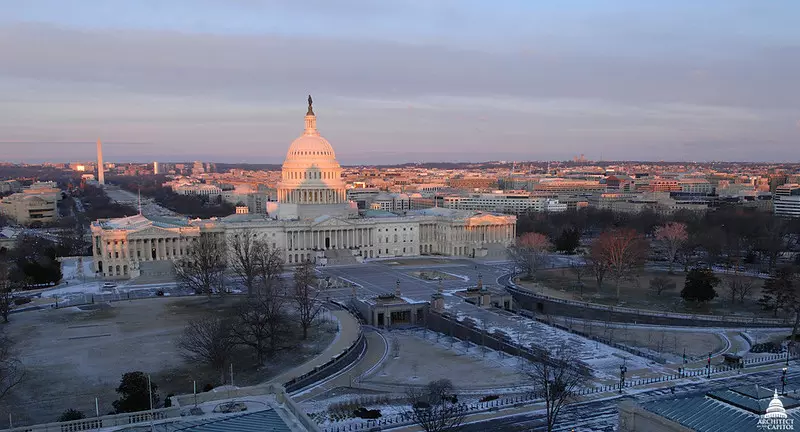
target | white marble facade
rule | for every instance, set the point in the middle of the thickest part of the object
(312, 220)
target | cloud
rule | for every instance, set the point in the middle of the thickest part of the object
(198, 91)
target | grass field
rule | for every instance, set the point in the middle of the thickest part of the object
(74, 355)
(636, 293)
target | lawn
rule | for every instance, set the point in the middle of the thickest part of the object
(636, 293)
(76, 354)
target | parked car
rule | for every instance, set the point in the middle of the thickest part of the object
(109, 285)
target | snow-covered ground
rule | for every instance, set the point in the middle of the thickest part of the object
(602, 359)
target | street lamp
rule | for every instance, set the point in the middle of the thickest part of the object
(708, 366)
(783, 381)
(622, 370)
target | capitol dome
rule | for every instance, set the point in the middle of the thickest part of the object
(311, 174)
(775, 409)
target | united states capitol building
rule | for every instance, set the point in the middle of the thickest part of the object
(312, 220)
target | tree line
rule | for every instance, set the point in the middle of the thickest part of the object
(193, 206)
(619, 245)
(729, 236)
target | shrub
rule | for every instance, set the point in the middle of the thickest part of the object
(208, 387)
(70, 415)
(22, 300)
(367, 413)
(766, 347)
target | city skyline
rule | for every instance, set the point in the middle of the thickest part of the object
(401, 82)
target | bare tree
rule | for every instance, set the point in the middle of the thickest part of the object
(674, 236)
(659, 284)
(202, 269)
(242, 250)
(739, 287)
(306, 296)
(6, 290)
(262, 324)
(435, 407)
(598, 267)
(623, 250)
(529, 252)
(556, 380)
(11, 368)
(208, 341)
(579, 270)
(269, 266)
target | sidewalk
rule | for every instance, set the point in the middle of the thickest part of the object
(376, 349)
(348, 334)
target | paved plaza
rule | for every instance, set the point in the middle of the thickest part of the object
(380, 277)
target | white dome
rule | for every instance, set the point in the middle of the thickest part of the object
(775, 409)
(310, 173)
(310, 147)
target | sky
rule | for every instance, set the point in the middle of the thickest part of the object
(400, 80)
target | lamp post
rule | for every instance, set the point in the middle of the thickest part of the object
(783, 381)
(708, 366)
(622, 370)
(788, 350)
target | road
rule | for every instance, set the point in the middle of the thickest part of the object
(603, 416)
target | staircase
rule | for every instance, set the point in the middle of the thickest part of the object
(155, 272)
(340, 257)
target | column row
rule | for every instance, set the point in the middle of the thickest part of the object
(328, 239)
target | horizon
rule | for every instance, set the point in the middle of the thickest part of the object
(227, 81)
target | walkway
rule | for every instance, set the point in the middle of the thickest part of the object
(376, 352)
(348, 334)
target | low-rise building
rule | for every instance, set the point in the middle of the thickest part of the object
(37, 203)
(510, 203)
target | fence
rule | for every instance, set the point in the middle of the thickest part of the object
(617, 345)
(102, 422)
(447, 324)
(514, 401)
(644, 315)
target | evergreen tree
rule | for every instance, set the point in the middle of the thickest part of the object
(568, 240)
(134, 394)
(699, 286)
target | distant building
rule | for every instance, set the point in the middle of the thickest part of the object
(10, 186)
(787, 200)
(660, 202)
(696, 186)
(503, 203)
(156, 168)
(198, 168)
(472, 183)
(37, 203)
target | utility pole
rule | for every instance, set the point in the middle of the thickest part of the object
(150, 391)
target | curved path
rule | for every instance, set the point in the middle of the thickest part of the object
(348, 334)
(375, 355)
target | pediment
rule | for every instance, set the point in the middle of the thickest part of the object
(331, 222)
(487, 219)
(152, 232)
